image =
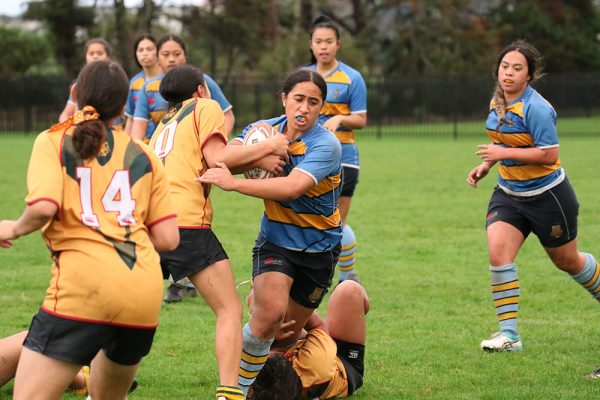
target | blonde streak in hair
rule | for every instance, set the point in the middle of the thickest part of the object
(499, 103)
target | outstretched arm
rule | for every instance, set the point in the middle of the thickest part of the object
(34, 217)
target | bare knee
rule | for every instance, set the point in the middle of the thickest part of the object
(352, 293)
(266, 319)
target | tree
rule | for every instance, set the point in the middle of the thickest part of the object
(564, 32)
(62, 19)
(21, 52)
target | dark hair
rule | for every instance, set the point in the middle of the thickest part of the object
(322, 22)
(276, 380)
(180, 83)
(535, 70)
(137, 41)
(168, 38)
(101, 41)
(103, 85)
(305, 75)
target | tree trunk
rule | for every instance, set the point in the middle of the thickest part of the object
(122, 36)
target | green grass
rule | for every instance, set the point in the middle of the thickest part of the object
(422, 257)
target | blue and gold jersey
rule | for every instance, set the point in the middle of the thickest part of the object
(346, 94)
(311, 222)
(135, 86)
(530, 122)
(152, 107)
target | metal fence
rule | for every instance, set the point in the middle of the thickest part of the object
(451, 107)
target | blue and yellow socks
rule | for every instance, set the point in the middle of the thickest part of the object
(229, 393)
(589, 277)
(506, 292)
(255, 352)
(347, 256)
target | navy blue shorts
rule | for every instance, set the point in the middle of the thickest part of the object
(198, 248)
(312, 272)
(78, 342)
(349, 181)
(551, 216)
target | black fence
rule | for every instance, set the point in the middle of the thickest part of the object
(451, 107)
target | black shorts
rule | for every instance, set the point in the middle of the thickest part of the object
(78, 342)
(311, 272)
(198, 248)
(349, 181)
(551, 216)
(352, 356)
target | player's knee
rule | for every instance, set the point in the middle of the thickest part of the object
(266, 320)
(350, 291)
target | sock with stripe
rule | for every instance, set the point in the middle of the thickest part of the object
(255, 352)
(589, 277)
(505, 292)
(229, 393)
(347, 256)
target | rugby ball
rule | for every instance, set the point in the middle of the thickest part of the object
(256, 134)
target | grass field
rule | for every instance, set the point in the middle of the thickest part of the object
(422, 257)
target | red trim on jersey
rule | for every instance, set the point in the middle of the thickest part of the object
(57, 279)
(32, 202)
(195, 227)
(196, 129)
(93, 321)
(151, 224)
(211, 135)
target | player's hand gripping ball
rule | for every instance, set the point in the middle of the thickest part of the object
(256, 134)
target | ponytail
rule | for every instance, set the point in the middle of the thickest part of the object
(88, 138)
(499, 104)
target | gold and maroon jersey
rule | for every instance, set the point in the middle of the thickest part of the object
(178, 142)
(105, 268)
(321, 372)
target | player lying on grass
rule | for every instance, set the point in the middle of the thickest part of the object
(329, 360)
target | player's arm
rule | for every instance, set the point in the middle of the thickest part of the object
(229, 122)
(128, 125)
(315, 322)
(34, 217)
(138, 128)
(285, 188)
(532, 155)
(352, 121)
(165, 235)
(240, 158)
(67, 112)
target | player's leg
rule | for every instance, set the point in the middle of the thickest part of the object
(110, 380)
(347, 259)
(557, 231)
(346, 313)
(504, 242)
(217, 286)
(348, 306)
(40, 377)
(270, 300)
(10, 351)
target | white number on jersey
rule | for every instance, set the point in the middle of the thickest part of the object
(163, 145)
(117, 197)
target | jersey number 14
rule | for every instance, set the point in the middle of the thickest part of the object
(117, 198)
